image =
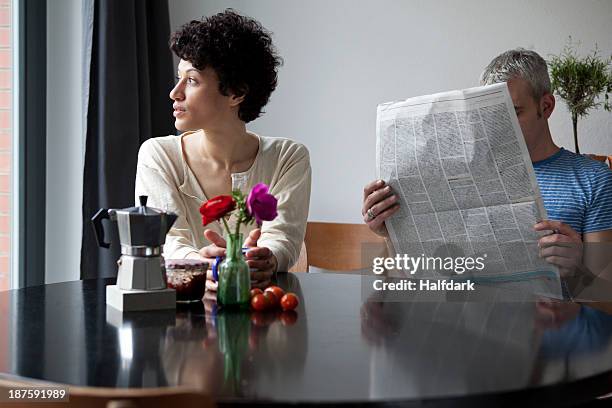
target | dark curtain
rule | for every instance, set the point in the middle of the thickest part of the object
(131, 74)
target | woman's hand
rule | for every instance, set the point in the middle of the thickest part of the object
(260, 258)
(209, 253)
(379, 203)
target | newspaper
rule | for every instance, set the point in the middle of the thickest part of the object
(466, 187)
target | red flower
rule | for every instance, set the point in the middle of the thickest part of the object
(216, 207)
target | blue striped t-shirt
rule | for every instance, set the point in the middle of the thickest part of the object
(576, 190)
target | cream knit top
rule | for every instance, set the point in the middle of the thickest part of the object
(164, 176)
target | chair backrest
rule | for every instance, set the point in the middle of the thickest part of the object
(339, 247)
(602, 158)
(94, 397)
(597, 157)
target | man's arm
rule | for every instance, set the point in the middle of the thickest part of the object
(598, 253)
(598, 258)
(599, 236)
(598, 218)
(598, 261)
(585, 262)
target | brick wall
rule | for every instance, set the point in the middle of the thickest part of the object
(5, 141)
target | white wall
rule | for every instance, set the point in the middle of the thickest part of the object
(343, 58)
(65, 141)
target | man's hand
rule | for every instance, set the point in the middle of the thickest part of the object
(552, 314)
(562, 247)
(209, 253)
(260, 258)
(379, 203)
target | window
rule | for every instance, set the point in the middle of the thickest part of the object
(6, 143)
(6, 140)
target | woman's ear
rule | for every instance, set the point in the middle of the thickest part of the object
(236, 100)
(237, 97)
(547, 105)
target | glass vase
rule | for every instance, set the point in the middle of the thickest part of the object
(234, 278)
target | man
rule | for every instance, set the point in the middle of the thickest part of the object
(577, 191)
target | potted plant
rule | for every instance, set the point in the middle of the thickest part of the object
(580, 82)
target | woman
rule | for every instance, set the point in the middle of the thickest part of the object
(227, 71)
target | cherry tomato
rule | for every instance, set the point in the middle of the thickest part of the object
(271, 316)
(258, 319)
(259, 302)
(256, 291)
(289, 301)
(278, 292)
(253, 340)
(288, 317)
(272, 300)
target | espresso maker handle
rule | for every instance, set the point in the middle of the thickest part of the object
(96, 221)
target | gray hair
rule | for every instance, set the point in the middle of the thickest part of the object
(519, 63)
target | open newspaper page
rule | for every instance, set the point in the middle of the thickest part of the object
(459, 164)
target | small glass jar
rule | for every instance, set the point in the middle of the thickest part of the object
(187, 277)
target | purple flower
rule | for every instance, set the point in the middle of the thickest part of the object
(261, 204)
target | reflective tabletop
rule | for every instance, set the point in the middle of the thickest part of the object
(338, 346)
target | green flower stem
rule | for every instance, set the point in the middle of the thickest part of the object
(227, 228)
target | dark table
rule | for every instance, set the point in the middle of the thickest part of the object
(338, 347)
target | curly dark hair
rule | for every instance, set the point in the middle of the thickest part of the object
(239, 50)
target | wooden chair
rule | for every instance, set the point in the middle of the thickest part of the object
(94, 397)
(339, 247)
(597, 157)
(302, 263)
(602, 158)
(89, 397)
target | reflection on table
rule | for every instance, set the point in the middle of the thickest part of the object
(340, 345)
